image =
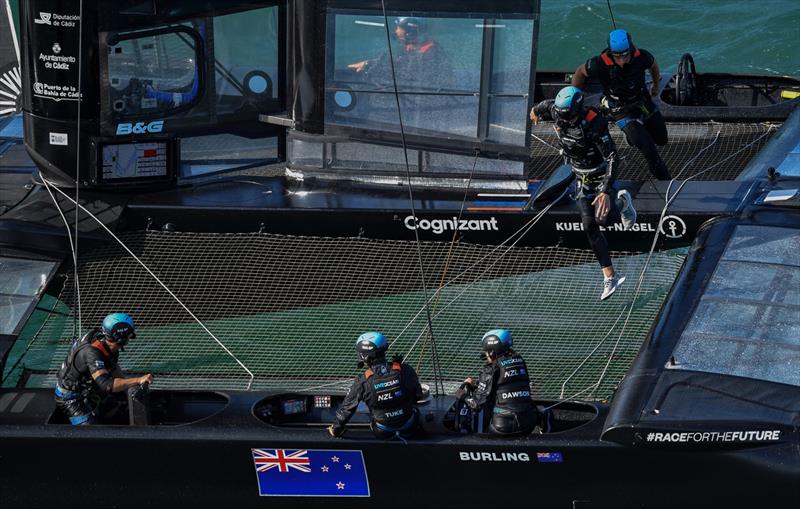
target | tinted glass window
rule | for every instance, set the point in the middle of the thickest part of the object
(21, 283)
(438, 64)
(152, 74)
(748, 320)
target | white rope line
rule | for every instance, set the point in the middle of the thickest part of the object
(252, 376)
(527, 227)
(78, 167)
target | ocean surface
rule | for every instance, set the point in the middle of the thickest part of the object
(744, 36)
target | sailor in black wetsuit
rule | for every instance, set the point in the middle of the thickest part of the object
(389, 389)
(620, 70)
(91, 372)
(503, 387)
(587, 146)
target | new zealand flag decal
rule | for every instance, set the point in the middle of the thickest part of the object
(310, 473)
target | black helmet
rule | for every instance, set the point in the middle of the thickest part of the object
(119, 328)
(569, 103)
(412, 26)
(371, 345)
(497, 341)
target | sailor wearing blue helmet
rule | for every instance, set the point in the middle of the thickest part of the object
(389, 389)
(620, 69)
(503, 388)
(91, 372)
(588, 148)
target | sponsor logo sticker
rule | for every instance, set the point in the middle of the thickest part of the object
(58, 139)
(439, 226)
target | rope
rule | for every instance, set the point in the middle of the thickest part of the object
(77, 324)
(434, 354)
(145, 267)
(613, 22)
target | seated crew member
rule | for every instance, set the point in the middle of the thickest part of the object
(503, 387)
(587, 146)
(620, 70)
(91, 372)
(421, 59)
(388, 388)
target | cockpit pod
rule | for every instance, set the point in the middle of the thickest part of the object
(718, 374)
(143, 76)
(451, 85)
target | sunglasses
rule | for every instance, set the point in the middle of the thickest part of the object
(621, 55)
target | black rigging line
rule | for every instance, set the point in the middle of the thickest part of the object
(434, 353)
(612, 14)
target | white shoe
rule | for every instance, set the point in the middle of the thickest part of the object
(610, 285)
(628, 212)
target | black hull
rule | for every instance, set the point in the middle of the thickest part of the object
(213, 461)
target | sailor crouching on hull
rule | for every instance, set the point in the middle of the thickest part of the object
(388, 388)
(91, 372)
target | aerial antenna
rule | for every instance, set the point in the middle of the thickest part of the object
(612, 14)
(434, 353)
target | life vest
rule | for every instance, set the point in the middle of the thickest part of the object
(69, 377)
(577, 145)
(624, 83)
(513, 391)
(386, 397)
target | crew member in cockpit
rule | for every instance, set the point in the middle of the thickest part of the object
(587, 146)
(389, 388)
(91, 372)
(420, 59)
(503, 387)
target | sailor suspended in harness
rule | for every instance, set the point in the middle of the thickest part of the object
(389, 389)
(588, 148)
(620, 69)
(91, 370)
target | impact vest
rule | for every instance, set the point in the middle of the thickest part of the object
(513, 391)
(391, 404)
(578, 145)
(69, 377)
(627, 83)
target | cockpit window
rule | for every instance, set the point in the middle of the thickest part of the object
(748, 320)
(153, 73)
(466, 77)
(21, 284)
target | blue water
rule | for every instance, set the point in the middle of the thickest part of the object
(744, 36)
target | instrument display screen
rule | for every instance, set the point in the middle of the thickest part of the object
(294, 406)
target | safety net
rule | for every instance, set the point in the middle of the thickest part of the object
(715, 151)
(290, 308)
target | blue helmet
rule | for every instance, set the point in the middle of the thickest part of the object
(497, 341)
(119, 328)
(619, 41)
(371, 345)
(569, 103)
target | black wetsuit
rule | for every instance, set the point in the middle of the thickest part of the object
(77, 393)
(390, 390)
(631, 105)
(504, 389)
(587, 147)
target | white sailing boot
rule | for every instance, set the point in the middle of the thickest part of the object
(610, 285)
